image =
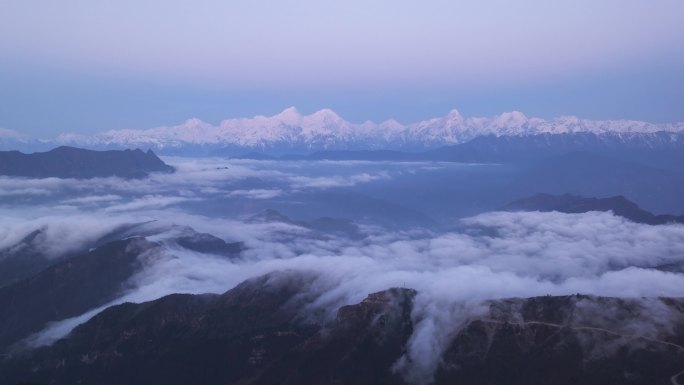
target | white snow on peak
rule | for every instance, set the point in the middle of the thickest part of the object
(510, 123)
(392, 125)
(195, 123)
(325, 115)
(513, 118)
(326, 129)
(288, 115)
(454, 115)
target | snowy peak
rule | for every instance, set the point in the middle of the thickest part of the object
(195, 123)
(326, 114)
(391, 125)
(511, 119)
(325, 129)
(289, 115)
(454, 116)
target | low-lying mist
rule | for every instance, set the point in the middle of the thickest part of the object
(454, 269)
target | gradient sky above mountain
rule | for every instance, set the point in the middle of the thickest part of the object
(86, 66)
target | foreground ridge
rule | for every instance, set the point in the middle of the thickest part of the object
(265, 331)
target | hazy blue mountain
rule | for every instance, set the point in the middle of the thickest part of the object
(568, 203)
(323, 225)
(589, 174)
(281, 328)
(209, 244)
(368, 155)
(70, 162)
(345, 203)
(249, 155)
(660, 149)
(516, 148)
(270, 215)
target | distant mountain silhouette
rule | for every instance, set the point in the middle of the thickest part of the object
(207, 243)
(270, 215)
(70, 162)
(250, 155)
(323, 225)
(662, 149)
(657, 190)
(657, 149)
(568, 203)
(367, 155)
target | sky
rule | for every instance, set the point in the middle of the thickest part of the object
(87, 66)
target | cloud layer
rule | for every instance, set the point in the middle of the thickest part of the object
(488, 256)
(497, 255)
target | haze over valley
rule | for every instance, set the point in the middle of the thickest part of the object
(453, 234)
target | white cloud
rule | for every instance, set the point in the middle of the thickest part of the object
(493, 255)
(256, 193)
(499, 255)
(8, 134)
(147, 202)
(59, 235)
(93, 199)
(336, 181)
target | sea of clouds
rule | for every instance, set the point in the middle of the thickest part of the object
(488, 256)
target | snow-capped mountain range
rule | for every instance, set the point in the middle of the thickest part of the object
(325, 129)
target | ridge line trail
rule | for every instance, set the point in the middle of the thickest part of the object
(673, 379)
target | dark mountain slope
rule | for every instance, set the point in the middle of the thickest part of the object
(22, 259)
(79, 282)
(264, 332)
(369, 155)
(568, 203)
(70, 162)
(210, 244)
(251, 334)
(566, 341)
(29, 257)
(68, 289)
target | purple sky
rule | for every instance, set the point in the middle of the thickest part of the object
(87, 65)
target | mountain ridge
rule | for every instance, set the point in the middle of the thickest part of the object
(255, 334)
(71, 162)
(325, 129)
(574, 204)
